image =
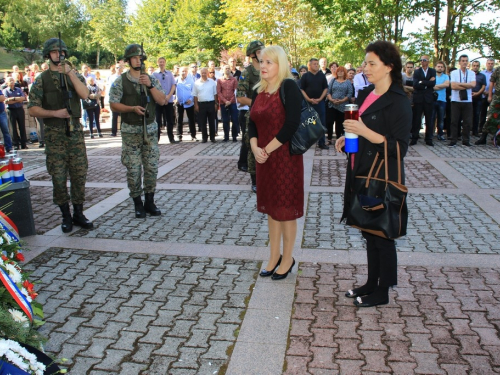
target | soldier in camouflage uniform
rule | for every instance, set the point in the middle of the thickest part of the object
(492, 125)
(66, 155)
(248, 79)
(139, 129)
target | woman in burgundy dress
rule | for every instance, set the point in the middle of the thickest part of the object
(280, 176)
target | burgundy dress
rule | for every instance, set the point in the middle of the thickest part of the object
(280, 180)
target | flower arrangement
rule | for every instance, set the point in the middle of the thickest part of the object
(20, 314)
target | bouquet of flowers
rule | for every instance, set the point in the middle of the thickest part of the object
(20, 314)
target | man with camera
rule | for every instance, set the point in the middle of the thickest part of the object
(134, 94)
(462, 82)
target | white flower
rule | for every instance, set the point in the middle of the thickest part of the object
(18, 316)
(14, 274)
(20, 357)
(27, 295)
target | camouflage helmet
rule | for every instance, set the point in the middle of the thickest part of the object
(256, 45)
(134, 50)
(53, 45)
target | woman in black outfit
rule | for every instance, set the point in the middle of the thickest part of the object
(385, 111)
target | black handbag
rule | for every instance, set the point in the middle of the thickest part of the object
(378, 206)
(310, 128)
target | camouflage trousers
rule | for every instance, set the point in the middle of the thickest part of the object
(136, 157)
(492, 124)
(251, 156)
(66, 156)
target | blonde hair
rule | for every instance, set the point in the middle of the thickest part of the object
(278, 56)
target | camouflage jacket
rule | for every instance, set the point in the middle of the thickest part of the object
(249, 78)
(495, 79)
(115, 96)
(36, 91)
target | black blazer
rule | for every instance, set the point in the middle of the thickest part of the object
(424, 92)
(391, 116)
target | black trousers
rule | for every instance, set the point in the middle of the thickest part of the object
(243, 160)
(461, 111)
(114, 122)
(334, 116)
(484, 112)
(426, 109)
(207, 113)
(180, 120)
(17, 121)
(94, 113)
(165, 117)
(382, 260)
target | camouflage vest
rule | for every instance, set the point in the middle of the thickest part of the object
(131, 97)
(253, 79)
(53, 99)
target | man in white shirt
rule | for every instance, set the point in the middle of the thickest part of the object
(205, 104)
(360, 81)
(462, 81)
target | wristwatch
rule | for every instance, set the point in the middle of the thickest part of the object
(150, 87)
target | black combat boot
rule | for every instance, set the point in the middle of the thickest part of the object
(140, 213)
(254, 182)
(79, 218)
(482, 140)
(149, 205)
(67, 223)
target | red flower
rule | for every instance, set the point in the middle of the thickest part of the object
(497, 105)
(20, 257)
(29, 287)
(495, 115)
(4, 258)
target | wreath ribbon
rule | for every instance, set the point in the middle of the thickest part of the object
(16, 293)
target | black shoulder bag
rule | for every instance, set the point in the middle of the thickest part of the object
(310, 128)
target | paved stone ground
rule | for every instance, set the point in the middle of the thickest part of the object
(442, 320)
(178, 294)
(48, 216)
(203, 217)
(207, 171)
(419, 174)
(132, 313)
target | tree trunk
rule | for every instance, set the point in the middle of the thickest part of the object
(98, 57)
(436, 31)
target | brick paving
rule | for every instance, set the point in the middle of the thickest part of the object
(32, 163)
(150, 312)
(418, 173)
(222, 149)
(204, 217)
(440, 320)
(438, 223)
(208, 172)
(482, 173)
(131, 313)
(48, 216)
(101, 170)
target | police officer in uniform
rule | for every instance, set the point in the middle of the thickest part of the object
(139, 129)
(66, 153)
(248, 79)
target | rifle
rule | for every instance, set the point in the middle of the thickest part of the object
(67, 95)
(144, 101)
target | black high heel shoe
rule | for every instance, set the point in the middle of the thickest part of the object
(361, 291)
(266, 273)
(379, 297)
(281, 276)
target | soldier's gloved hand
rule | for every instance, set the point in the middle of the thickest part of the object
(61, 113)
(145, 80)
(139, 110)
(67, 68)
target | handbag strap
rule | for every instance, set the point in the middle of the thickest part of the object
(371, 171)
(387, 164)
(282, 94)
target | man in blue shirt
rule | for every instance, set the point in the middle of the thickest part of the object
(165, 111)
(14, 98)
(477, 97)
(4, 124)
(442, 83)
(185, 101)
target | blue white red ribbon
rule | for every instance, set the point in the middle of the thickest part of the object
(10, 228)
(16, 293)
